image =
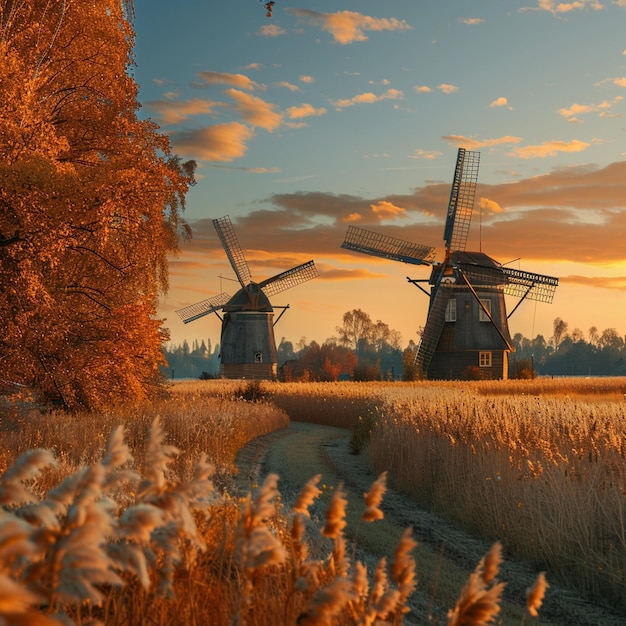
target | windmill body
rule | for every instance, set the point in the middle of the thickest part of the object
(466, 333)
(247, 341)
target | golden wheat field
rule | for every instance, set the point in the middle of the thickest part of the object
(113, 517)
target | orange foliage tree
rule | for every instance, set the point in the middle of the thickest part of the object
(91, 199)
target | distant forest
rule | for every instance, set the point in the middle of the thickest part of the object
(364, 350)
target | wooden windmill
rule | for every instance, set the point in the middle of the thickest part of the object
(247, 343)
(466, 328)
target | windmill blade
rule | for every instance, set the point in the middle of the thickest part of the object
(528, 285)
(200, 309)
(226, 233)
(375, 244)
(433, 328)
(461, 202)
(289, 278)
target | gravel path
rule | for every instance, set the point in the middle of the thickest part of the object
(445, 555)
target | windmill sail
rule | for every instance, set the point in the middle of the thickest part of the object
(433, 328)
(226, 233)
(289, 278)
(461, 204)
(528, 285)
(200, 309)
(386, 247)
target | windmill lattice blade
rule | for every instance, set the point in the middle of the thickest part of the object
(375, 244)
(528, 285)
(226, 233)
(289, 278)
(483, 275)
(461, 202)
(200, 309)
(434, 325)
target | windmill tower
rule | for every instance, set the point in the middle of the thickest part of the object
(467, 323)
(248, 345)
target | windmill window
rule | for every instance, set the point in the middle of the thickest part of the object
(484, 359)
(451, 310)
(482, 316)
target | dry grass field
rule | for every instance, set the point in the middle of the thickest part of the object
(113, 517)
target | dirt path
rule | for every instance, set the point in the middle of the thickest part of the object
(445, 555)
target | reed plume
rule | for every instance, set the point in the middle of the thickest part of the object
(534, 596)
(335, 514)
(310, 492)
(478, 603)
(373, 498)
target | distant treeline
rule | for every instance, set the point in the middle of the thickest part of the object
(365, 356)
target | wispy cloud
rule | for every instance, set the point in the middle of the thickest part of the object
(255, 111)
(425, 154)
(368, 98)
(559, 8)
(348, 26)
(271, 30)
(221, 142)
(549, 149)
(224, 78)
(170, 113)
(447, 88)
(304, 110)
(471, 20)
(471, 143)
(580, 109)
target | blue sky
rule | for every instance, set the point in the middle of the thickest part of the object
(333, 112)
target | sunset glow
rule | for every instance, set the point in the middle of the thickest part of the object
(321, 117)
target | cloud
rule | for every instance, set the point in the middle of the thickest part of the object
(223, 78)
(603, 282)
(368, 98)
(304, 110)
(384, 210)
(171, 113)
(307, 79)
(286, 85)
(221, 142)
(490, 206)
(446, 88)
(580, 109)
(271, 30)
(424, 154)
(471, 20)
(501, 102)
(255, 111)
(473, 144)
(422, 89)
(556, 8)
(348, 26)
(549, 148)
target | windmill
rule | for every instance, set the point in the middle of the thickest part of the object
(466, 327)
(247, 343)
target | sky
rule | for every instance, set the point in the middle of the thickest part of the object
(333, 113)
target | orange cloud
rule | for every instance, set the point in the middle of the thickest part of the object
(256, 111)
(567, 7)
(221, 142)
(223, 78)
(579, 109)
(490, 206)
(171, 113)
(422, 89)
(549, 148)
(446, 88)
(499, 102)
(604, 282)
(424, 154)
(471, 20)
(368, 98)
(473, 144)
(387, 210)
(304, 110)
(348, 26)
